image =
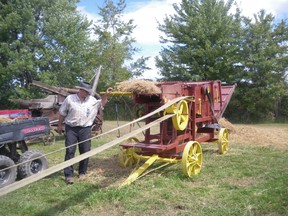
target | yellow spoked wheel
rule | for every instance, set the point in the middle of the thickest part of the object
(223, 143)
(180, 120)
(127, 157)
(192, 158)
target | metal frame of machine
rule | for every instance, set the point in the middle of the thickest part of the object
(178, 139)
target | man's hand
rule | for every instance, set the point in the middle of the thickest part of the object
(59, 129)
(60, 124)
(104, 99)
(109, 90)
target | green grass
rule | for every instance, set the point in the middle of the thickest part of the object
(248, 180)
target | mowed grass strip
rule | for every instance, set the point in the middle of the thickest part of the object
(250, 179)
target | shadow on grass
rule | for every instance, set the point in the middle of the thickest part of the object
(210, 151)
(74, 199)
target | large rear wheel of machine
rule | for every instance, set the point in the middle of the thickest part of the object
(7, 176)
(126, 156)
(31, 162)
(180, 120)
(223, 143)
(192, 158)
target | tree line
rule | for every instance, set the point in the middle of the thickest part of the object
(51, 41)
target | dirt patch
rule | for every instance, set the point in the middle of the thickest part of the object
(138, 87)
(243, 182)
(113, 209)
(107, 172)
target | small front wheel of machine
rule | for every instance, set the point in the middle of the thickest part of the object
(126, 156)
(35, 163)
(192, 158)
(223, 143)
(7, 176)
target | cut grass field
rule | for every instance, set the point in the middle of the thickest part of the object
(251, 179)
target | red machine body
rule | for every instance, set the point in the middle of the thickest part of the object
(205, 106)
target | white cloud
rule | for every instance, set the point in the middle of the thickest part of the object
(90, 16)
(146, 33)
(146, 18)
(276, 7)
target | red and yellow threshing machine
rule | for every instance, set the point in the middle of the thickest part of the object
(196, 109)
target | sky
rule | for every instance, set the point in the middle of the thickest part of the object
(146, 13)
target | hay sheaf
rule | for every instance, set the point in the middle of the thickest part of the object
(5, 120)
(138, 87)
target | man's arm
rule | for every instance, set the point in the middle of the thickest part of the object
(60, 124)
(104, 99)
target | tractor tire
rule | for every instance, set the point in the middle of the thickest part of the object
(32, 166)
(7, 176)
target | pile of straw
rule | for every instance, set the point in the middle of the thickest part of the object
(138, 87)
(226, 124)
(269, 135)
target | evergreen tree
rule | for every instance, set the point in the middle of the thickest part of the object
(202, 39)
(265, 63)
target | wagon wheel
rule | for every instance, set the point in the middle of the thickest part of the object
(223, 143)
(31, 162)
(180, 120)
(192, 158)
(7, 176)
(127, 156)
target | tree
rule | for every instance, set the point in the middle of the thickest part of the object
(45, 40)
(202, 39)
(114, 45)
(265, 63)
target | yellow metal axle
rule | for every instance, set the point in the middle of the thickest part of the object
(150, 160)
(118, 93)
